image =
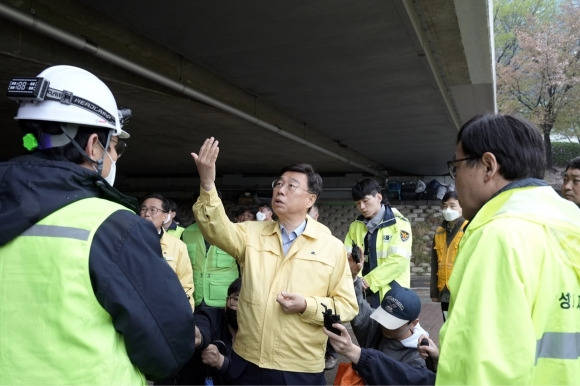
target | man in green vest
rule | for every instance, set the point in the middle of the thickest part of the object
(86, 298)
(213, 269)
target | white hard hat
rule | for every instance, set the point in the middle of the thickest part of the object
(74, 96)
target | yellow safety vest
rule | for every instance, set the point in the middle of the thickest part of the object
(446, 254)
(52, 328)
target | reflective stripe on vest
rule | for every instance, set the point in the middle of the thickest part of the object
(57, 231)
(50, 316)
(558, 345)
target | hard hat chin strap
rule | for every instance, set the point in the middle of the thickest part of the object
(99, 163)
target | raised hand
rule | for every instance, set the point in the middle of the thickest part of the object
(205, 161)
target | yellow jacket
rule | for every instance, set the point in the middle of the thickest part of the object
(315, 267)
(175, 254)
(514, 316)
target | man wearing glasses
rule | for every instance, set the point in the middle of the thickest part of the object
(514, 315)
(155, 209)
(290, 267)
(85, 297)
(515, 288)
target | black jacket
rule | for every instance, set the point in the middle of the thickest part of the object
(213, 327)
(129, 276)
(377, 368)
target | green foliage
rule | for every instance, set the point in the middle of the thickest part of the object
(562, 152)
(509, 15)
(538, 64)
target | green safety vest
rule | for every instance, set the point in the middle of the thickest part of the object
(52, 328)
(213, 269)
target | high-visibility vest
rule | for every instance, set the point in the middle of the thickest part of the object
(514, 315)
(213, 269)
(391, 244)
(52, 328)
(446, 254)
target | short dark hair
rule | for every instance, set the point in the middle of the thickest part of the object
(236, 286)
(264, 206)
(67, 152)
(241, 210)
(365, 187)
(449, 195)
(573, 164)
(172, 205)
(159, 197)
(314, 179)
(515, 142)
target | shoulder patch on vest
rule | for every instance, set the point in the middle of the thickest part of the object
(405, 235)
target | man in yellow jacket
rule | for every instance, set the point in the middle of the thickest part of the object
(514, 315)
(155, 209)
(290, 267)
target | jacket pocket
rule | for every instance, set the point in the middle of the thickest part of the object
(222, 259)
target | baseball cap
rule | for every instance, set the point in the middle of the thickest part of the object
(399, 306)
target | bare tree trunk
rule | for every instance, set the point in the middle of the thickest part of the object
(547, 128)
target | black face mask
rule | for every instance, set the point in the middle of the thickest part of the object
(232, 318)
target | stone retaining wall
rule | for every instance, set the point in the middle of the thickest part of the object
(424, 216)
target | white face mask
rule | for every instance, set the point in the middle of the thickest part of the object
(167, 220)
(450, 214)
(112, 171)
(260, 216)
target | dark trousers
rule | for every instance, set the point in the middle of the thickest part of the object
(329, 350)
(444, 308)
(247, 373)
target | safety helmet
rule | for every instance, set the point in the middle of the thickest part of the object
(74, 96)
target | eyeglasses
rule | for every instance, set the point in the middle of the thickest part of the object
(153, 210)
(233, 299)
(120, 147)
(451, 164)
(279, 183)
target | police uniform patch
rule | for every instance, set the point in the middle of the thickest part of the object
(405, 235)
(386, 238)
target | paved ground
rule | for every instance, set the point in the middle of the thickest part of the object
(430, 317)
